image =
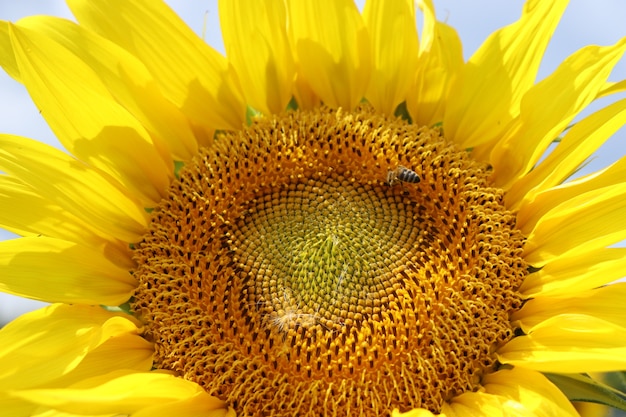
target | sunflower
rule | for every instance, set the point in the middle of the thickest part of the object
(334, 219)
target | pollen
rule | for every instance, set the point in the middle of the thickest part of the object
(287, 275)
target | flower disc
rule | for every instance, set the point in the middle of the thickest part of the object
(286, 275)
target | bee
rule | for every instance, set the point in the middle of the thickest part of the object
(283, 321)
(402, 174)
(289, 315)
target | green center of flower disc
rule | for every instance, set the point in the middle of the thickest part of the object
(330, 263)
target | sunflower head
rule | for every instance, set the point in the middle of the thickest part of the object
(285, 265)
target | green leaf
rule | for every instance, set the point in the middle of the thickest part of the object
(581, 387)
(616, 380)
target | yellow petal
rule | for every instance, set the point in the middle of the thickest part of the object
(606, 303)
(126, 78)
(588, 221)
(255, 38)
(105, 135)
(198, 405)
(14, 407)
(482, 404)
(570, 89)
(568, 343)
(393, 35)
(128, 393)
(193, 76)
(418, 412)
(126, 351)
(530, 390)
(578, 144)
(42, 346)
(612, 88)
(440, 61)
(23, 211)
(51, 269)
(488, 93)
(332, 48)
(26, 213)
(576, 271)
(536, 206)
(304, 94)
(74, 186)
(7, 57)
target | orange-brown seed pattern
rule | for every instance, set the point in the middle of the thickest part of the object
(285, 276)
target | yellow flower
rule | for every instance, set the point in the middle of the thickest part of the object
(260, 235)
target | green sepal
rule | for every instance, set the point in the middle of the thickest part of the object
(251, 114)
(178, 165)
(124, 308)
(403, 112)
(292, 105)
(581, 387)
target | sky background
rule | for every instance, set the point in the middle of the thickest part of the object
(585, 22)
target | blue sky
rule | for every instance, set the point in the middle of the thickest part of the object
(585, 22)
